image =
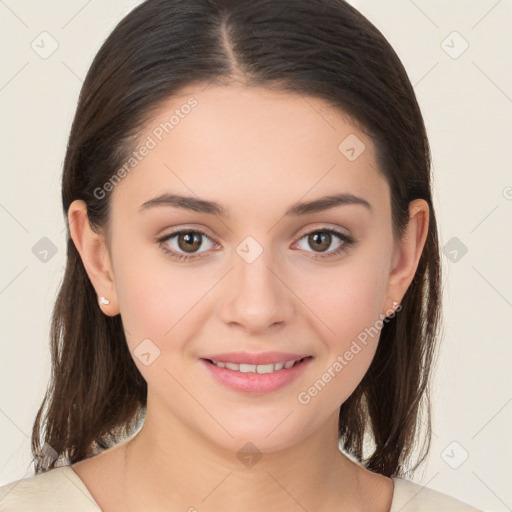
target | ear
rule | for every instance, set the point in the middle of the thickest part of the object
(94, 254)
(408, 253)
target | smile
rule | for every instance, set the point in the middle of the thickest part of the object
(256, 368)
(256, 377)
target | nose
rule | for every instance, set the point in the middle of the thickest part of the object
(255, 297)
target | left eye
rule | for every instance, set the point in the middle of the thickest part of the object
(322, 240)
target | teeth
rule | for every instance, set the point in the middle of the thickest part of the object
(246, 368)
(256, 368)
(267, 368)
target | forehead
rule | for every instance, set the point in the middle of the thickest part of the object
(249, 146)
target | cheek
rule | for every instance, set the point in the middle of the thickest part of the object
(347, 303)
(348, 299)
(159, 300)
(155, 321)
(145, 291)
(349, 345)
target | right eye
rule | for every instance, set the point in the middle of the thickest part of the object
(187, 240)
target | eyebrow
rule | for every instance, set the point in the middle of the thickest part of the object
(213, 208)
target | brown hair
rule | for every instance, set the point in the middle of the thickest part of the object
(321, 48)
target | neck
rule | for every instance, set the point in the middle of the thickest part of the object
(180, 470)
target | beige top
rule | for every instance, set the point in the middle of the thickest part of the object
(62, 490)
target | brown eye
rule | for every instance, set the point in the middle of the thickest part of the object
(320, 240)
(189, 241)
(185, 244)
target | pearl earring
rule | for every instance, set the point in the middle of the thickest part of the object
(103, 300)
(395, 304)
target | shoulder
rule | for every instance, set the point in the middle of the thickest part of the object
(409, 496)
(57, 490)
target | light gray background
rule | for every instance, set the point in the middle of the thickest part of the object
(466, 100)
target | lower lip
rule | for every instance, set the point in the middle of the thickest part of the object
(256, 383)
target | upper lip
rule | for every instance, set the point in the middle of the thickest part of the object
(254, 358)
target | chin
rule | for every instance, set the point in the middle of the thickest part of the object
(263, 436)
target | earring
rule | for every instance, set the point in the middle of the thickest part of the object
(395, 304)
(103, 300)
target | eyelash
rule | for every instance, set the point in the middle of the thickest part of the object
(347, 242)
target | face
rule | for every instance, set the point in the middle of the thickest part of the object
(258, 280)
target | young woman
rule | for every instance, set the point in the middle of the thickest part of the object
(251, 301)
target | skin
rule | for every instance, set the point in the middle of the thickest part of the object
(265, 151)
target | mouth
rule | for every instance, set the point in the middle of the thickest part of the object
(257, 368)
(255, 374)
